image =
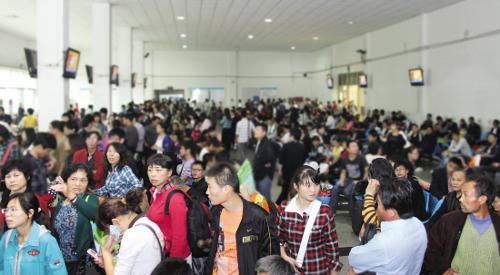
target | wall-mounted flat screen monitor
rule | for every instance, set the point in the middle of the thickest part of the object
(363, 81)
(133, 79)
(71, 63)
(115, 75)
(31, 62)
(416, 76)
(90, 73)
(329, 81)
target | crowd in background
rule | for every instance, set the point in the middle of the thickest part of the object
(158, 189)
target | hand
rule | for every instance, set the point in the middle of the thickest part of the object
(451, 271)
(99, 261)
(109, 247)
(61, 188)
(372, 187)
(292, 262)
(351, 271)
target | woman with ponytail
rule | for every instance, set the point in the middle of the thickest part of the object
(141, 245)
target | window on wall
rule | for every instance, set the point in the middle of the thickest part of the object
(17, 89)
(201, 94)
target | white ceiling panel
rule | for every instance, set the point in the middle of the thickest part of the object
(226, 24)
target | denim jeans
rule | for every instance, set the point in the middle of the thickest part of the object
(264, 187)
(337, 190)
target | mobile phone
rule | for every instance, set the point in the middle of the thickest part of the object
(92, 253)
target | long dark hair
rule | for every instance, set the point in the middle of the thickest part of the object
(125, 156)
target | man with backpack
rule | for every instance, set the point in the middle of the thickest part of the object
(241, 229)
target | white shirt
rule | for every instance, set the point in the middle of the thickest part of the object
(142, 134)
(139, 252)
(461, 147)
(330, 123)
(244, 130)
(398, 249)
(205, 125)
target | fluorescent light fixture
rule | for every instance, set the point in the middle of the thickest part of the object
(184, 46)
(250, 36)
(350, 22)
(292, 48)
(268, 20)
(183, 35)
(315, 38)
(180, 18)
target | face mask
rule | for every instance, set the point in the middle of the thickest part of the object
(115, 231)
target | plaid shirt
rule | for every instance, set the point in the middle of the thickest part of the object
(38, 174)
(322, 249)
(14, 152)
(119, 182)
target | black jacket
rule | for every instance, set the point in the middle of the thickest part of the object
(255, 238)
(443, 240)
(266, 154)
(292, 156)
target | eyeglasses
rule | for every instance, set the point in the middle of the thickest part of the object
(12, 210)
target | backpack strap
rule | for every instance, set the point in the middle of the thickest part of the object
(7, 238)
(162, 254)
(187, 199)
(7, 152)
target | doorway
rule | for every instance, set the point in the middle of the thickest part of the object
(350, 93)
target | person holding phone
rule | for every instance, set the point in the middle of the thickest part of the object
(73, 216)
(141, 246)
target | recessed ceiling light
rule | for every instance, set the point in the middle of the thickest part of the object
(350, 22)
(268, 20)
(183, 35)
(184, 46)
(315, 38)
(292, 48)
(180, 18)
(250, 36)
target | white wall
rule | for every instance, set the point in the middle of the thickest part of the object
(234, 71)
(462, 78)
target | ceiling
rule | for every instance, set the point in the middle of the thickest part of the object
(226, 24)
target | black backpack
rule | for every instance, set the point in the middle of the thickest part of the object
(198, 224)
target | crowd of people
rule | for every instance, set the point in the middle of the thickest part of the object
(160, 188)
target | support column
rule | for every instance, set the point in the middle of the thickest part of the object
(101, 54)
(138, 68)
(52, 40)
(124, 62)
(148, 73)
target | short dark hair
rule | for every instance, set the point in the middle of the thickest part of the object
(28, 201)
(30, 111)
(457, 161)
(20, 165)
(46, 140)
(263, 126)
(120, 133)
(273, 265)
(397, 195)
(373, 148)
(406, 164)
(71, 124)
(484, 186)
(58, 125)
(88, 134)
(198, 162)
(305, 173)
(172, 266)
(224, 174)
(4, 133)
(73, 168)
(191, 146)
(163, 161)
(295, 133)
(380, 169)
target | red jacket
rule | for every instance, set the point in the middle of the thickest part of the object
(173, 226)
(81, 155)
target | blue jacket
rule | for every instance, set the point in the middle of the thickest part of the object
(39, 255)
